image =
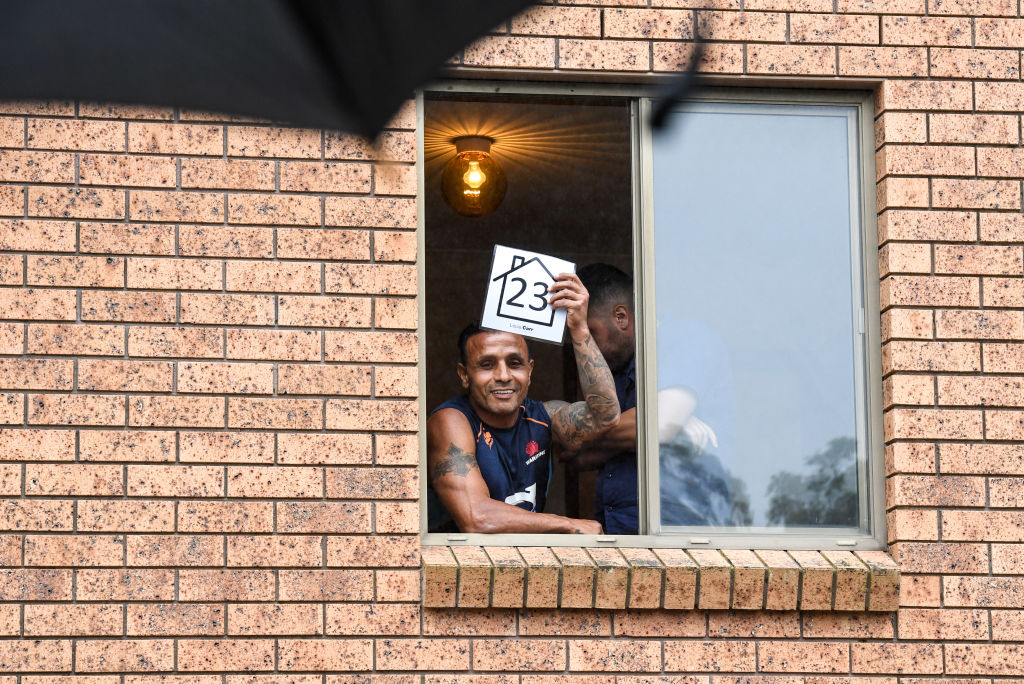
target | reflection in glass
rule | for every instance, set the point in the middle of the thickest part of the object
(755, 311)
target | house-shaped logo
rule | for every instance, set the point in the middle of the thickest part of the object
(524, 292)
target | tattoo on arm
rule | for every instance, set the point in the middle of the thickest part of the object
(454, 461)
(581, 421)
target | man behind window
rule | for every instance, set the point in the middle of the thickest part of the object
(489, 451)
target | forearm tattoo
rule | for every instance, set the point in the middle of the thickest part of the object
(455, 461)
(581, 421)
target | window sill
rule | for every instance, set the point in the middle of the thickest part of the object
(672, 579)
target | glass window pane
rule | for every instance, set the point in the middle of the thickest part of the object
(755, 310)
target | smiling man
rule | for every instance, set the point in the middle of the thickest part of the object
(489, 451)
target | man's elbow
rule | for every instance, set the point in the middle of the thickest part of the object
(481, 523)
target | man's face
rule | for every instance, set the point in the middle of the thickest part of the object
(497, 376)
(612, 331)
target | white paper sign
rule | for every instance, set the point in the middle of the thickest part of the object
(517, 294)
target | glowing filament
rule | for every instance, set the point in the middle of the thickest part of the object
(474, 177)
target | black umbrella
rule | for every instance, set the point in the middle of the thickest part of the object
(340, 64)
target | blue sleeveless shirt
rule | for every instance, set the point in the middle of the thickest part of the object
(515, 462)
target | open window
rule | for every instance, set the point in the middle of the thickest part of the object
(747, 226)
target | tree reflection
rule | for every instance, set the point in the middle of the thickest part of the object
(696, 489)
(827, 495)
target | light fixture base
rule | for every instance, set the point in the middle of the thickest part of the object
(473, 143)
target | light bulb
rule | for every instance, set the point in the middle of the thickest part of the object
(472, 183)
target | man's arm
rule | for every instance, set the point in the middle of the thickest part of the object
(593, 454)
(455, 475)
(574, 424)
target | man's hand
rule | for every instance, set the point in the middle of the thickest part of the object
(569, 294)
(587, 527)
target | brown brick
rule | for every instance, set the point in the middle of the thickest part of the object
(908, 389)
(287, 414)
(370, 212)
(170, 411)
(929, 490)
(121, 445)
(397, 449)
(230, 309)
(901, 127)
(226, 585)
(12, 132)
(788, 656)
(816, 579)
(23, 374)
(748, 579)
(73, 480)
(753, 624)
(1004, 424)
(274, 209)
(1007, 624)
(38, 304)
(160, 138)
(320, 517)
(851, 584)
(534, 655)
(226, 378)
(945, 625)
(24, 584)
(502, 51)
(387, 347)
(290, 345)
(274, 551)
(373, 619)
(423, 654)
(52, 516)
(982, 259)
(329, 177)
(165, 205)
(125, 376)
(709, 656)
(79, 409)
(227, 174)
(927, 95)
(783, 580)
(912, 525)
(73, 620)
(310, 449)
(176, 481)
(931, 356)
(284, 619)
(173, 619)
(398, 585)
(268, 482)
(976, 194)
(560, 21)
(993, 526)
(225, 516)
(378, 551)
(933, 424)
(927, 31)
(175, 550)
(957, 226)
(969, 7)
(62, 134)
(12, 271)
(920, 160)
(1000, 162)
(968, 63)
(60, 550)
(831, 28)
(715, 578)
(22, 166)
(133, 171)
(104, 110)
(319, 379)
(902, 192)
(896, 658)
(225, 241)
(326, 244)
(372, 415)
(827, 625)
(716, 58)
(791, 59)
(1000, 97)
(12, 338)
(940, 557)
(125, 516)
(738, 26)
(974, 128)
(51, 655)
(144, 307)
(1005, 492)
(327, 585)
(986, 324)
(665, 24)
(273, 276)
(883, 61)
(371, 279)
(556, 622)
(124, 585)
(982, 459)
(260, 141)
(210, 655)
(394, 246)
(170, 342)
(22, 444)
(372, 483)
(174, 274)
(227, 447)
(353, 655)
(12, 408)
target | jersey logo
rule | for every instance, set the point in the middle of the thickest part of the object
(532, 448)
(528, 496)
(488, 439)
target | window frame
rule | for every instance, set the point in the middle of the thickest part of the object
(868, 383)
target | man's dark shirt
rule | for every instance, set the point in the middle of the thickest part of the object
(615, 496)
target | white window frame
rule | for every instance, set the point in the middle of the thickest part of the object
(867, 327)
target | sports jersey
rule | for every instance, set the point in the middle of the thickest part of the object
(615, 493)
(515, 462)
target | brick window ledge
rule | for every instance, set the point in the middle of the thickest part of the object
(674, 579)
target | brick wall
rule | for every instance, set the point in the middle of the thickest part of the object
(208, 376)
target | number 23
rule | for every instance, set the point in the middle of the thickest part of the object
(541, 295)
